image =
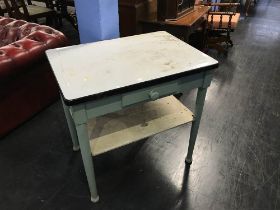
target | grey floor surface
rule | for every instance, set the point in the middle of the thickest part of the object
(236, 159)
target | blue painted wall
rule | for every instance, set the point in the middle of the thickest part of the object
(97, 19)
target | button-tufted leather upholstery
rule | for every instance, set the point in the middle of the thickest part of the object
(26, 81)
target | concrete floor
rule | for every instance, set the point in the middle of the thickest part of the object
(236, 159)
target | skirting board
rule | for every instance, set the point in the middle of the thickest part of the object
(129, 125)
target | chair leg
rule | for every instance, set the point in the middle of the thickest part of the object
(218, 47)
(49, 21)
(52, 20)
(59, 17)
(56, 21)
(230, 42)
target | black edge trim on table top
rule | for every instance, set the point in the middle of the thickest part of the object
(134, 87)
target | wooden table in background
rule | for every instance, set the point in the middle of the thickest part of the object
(182, 27)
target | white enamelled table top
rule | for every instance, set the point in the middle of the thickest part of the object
(96, 68)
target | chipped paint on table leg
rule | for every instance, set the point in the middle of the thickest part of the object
(87, 160)
(71, 127)
(201, 93)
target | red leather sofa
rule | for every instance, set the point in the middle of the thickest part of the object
(27, 84)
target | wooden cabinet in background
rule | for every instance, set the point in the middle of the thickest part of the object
(131, 12)
(173, 9)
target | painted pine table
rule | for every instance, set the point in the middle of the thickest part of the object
(119, 91)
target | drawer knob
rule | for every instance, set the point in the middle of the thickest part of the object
(154, 95)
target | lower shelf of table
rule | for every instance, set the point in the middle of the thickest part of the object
(129, 125)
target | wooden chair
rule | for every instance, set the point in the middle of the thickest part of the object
(65, 9)
(20, 9)
(222, 20)
(2, 8)
(248, 5)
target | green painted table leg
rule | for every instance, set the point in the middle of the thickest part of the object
(71, 127)
(201, 93)
(87, 160)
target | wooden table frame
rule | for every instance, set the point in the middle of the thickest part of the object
(78, 114)
(183, 27)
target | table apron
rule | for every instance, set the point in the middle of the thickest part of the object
(82, 112)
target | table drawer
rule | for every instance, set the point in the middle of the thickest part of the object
(150, 93)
